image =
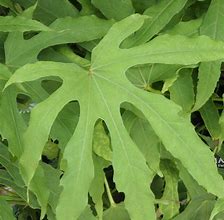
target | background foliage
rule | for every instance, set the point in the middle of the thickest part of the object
(111, 109)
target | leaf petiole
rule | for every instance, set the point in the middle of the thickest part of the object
(110, 197)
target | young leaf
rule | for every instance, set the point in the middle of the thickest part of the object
(105, 87)
(21, 24)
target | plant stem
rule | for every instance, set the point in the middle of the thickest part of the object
(110, 197)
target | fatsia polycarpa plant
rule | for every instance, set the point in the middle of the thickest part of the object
(111, 104)
(100, 91)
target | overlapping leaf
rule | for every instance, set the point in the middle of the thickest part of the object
(209, 72)
(114, 8)
(49, 11)
(159, 16)
(22, 24)
(100, 91)
(5, 210)
(66, 30)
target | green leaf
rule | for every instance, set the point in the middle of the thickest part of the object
(10, 166)
(210, 116)
(118, 213)
(187, 28)
(21, 24)
(52, 178)
(106, 87)
(12, 124)
(87, 7)
(194, 189)
(38, 185)
(5, 211)
(6, 3)
(25, 4)
(182, 91)
(4, 72)
(97, 187)
(87, 214)
(21, 191)
(49, 11)
(145, 138)
(115, 9)
(143, 76)
(65, 124)
(209, 72)
(170, 194)
(46, 179)
(142, 5)
(67, 30)
(159, 16)
(101, 142)
(50, 150)
(199, 208)
(221, 122)
(219, 207)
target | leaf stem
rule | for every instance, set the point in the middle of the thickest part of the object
(66, 51)
(110, 197)
(217, 99)
(150, 89)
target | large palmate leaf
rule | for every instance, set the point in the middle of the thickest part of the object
(209, 73)
(100, 91)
